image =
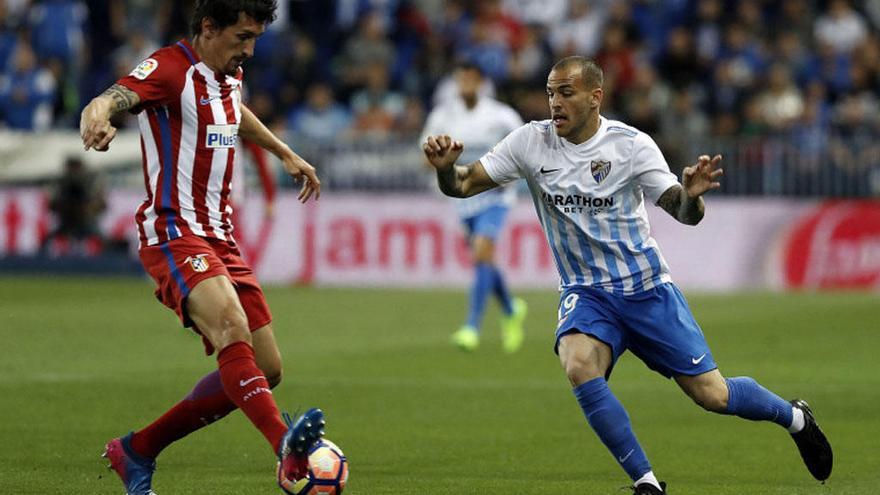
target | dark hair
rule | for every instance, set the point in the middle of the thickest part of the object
(468, 65)
(224, 13)
(591, 73)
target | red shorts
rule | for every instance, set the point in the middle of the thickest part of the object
(179, 265)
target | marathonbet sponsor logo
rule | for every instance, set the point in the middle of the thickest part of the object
(576, 203)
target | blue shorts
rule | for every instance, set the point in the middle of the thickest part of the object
(656, 325)
(487, 223)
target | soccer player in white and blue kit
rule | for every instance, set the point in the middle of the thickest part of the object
(589, 177)
(482, 122)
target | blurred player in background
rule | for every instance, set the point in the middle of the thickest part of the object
(188, 100)
(481, 121)
(589, 176)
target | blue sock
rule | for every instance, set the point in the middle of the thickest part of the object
(748, 399)
(501, 291)
(483, 281)
(610, 421)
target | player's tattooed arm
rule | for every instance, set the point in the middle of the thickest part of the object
(685, 201)
(122, 98)
(458, 181)
(683, 208)
(94, 125)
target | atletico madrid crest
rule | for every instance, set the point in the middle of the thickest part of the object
(199, 263)
(600, 169)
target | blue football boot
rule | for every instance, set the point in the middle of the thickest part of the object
(135, 471)
(303, 433)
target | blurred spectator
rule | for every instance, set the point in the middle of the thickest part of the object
(841, 27)
(57, 29)
(796, 16)
(581, 31)
(708, 31)
(376, 107)
(679, 63)
(77, 202)
(617, 59)
(137, 47)
(547, 13)
(320, 119)
(530, 62)
(368, 47)
(781, 102)
(27, 92)
(488, 47)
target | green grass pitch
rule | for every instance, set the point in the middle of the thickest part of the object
(84, 360)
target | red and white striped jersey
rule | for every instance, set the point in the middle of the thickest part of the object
(188, 118)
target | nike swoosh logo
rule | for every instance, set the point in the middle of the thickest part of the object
(697, 360)
(550, 171)
(206, 101)
(242, 383)
(624, 458)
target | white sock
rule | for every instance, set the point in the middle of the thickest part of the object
(648, 478)
(797, 420)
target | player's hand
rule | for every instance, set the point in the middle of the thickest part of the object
(95, 127)
(442, 151)
(702, 177)
(301, 169)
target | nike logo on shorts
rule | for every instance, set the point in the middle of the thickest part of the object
(697, 360)
(549, 171)
(242, 383)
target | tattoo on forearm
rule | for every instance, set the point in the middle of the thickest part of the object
(450, 180)
(684, 209)
(123, 98)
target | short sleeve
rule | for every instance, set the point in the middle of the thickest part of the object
(156, 80)
(505, 162)
(650, 168)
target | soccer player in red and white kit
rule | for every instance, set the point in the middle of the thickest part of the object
(188, 100)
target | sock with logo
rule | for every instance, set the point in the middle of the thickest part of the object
(205, 404)
(748, 399)
(483, 281)
(245, 385)
(501, 292)
(610, 421)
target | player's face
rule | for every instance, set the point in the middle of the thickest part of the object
(469, 82)
(232, 45)
(571, 101)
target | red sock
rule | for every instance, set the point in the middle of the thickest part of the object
(246, 386)
(205, 404)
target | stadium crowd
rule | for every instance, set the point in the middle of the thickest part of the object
(792, 83)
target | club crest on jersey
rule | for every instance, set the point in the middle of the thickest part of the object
(145, 68)
(199, 263)
(221, 136)
(600, 169)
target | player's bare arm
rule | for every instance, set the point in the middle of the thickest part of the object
(459, 181)
(685, 201)
(252, 129)
(94, 125)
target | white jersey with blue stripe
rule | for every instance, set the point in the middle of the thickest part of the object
(590, 201)
(479, 128)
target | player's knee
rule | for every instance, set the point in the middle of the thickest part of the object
(232, 326)
(711, 399)
(580, 370)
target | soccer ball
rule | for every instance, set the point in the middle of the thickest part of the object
(328, 471)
